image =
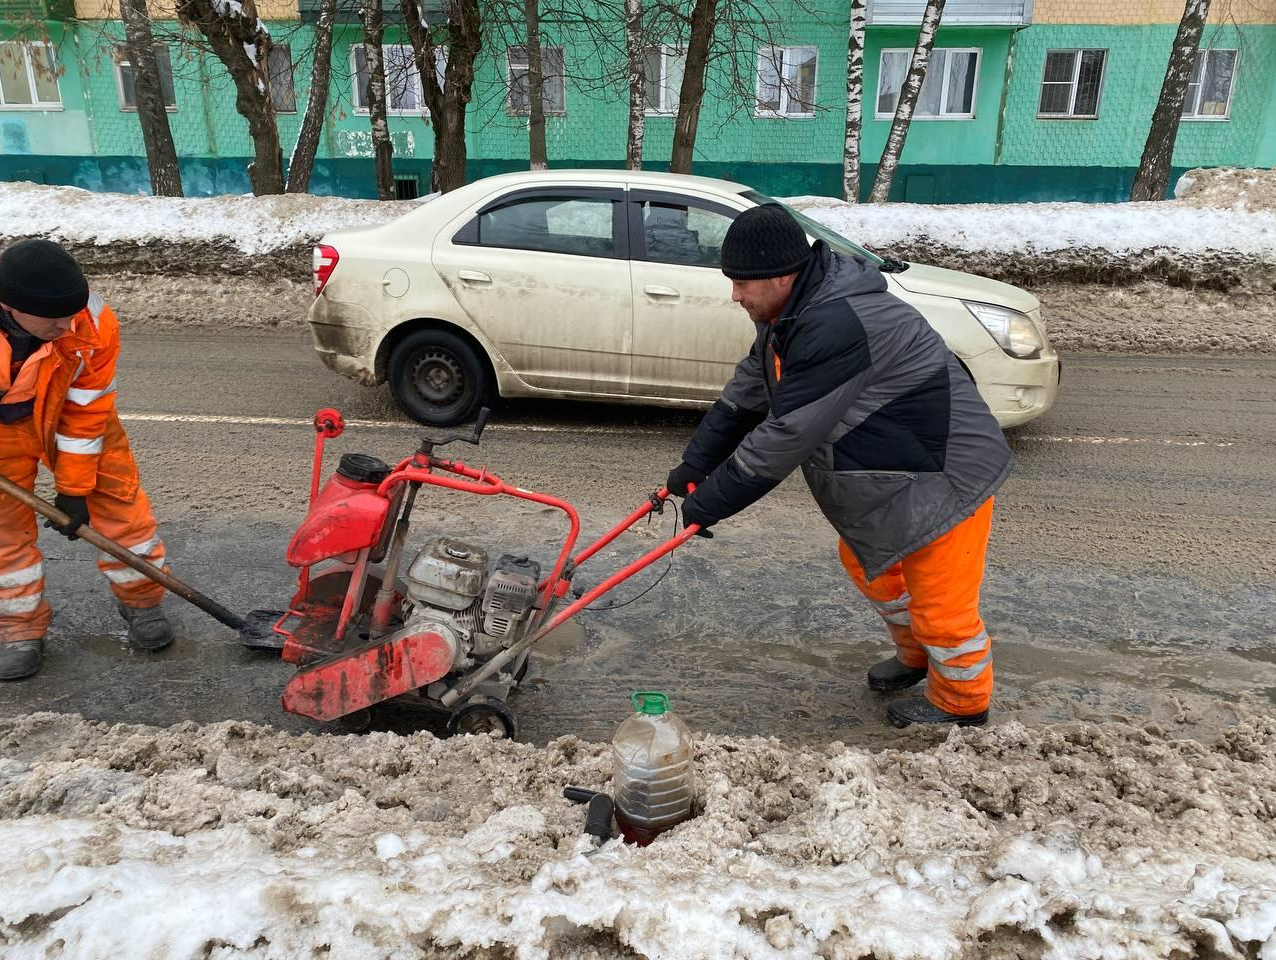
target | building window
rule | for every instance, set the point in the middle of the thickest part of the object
(1071, 83)
(125, 75)
(663, 68)
(1209, 88)
(402, 81)
(28, 76)
(553, 80)
(786, 81)
(282, 93)
(948, 92)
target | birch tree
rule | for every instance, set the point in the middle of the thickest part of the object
(460, 39)
(637, 84)
(907, 102)
(1153, 177)
(241, 42)
(382, 146)
(306, 149)
(854, 102)
(148, 95)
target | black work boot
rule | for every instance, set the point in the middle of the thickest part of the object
(901, 713)
(20, 659)
(148, 628)
(891, 675)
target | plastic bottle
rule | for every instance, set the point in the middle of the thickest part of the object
(653, 781)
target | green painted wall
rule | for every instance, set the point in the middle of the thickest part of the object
(1135, 68)
(1003, 153)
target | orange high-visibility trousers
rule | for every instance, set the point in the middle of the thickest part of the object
(930, 602)
(24, 614)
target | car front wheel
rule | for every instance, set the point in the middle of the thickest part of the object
(437, 378)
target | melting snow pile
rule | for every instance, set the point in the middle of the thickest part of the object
(250, 224)
(1113, 229)
(233, 840)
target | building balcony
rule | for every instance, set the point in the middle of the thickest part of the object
(967, 13)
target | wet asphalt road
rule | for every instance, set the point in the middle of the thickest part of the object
(1132, 568)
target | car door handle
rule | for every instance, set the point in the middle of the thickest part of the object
(473, 276)
(655, 290)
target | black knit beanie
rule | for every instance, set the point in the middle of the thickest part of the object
(764, 242)
(40, 278)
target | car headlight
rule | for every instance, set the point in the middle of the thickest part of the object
(1014, 332)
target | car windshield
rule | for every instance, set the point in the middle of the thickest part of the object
(817, 229)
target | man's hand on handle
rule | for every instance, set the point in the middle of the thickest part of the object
(77, 508)
(682, 475)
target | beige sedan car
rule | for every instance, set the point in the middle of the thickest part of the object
(604, 285)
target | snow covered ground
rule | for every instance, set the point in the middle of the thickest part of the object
(258, 225)
(1070, 841)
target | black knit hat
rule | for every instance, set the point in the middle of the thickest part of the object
(764, 242)
(40, 278)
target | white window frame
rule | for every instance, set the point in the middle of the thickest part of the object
(943, 93)
(440, 65)
(122, 60)
(783, 113)
(1075, 83)
(1226, 115)
(509, 79)
(26, 59)
(666, 51)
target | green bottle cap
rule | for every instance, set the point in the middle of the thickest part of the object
(650, 702)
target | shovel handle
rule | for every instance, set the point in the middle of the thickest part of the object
(123, 554)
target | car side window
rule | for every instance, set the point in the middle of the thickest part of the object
(574, 225)
(682, 233)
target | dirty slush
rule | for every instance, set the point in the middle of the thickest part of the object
(1076, 839)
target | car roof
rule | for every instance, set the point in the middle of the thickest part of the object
(650, 178)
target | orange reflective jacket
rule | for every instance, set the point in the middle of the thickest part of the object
(72, 380)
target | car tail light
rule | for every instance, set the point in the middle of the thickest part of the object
(325, 261)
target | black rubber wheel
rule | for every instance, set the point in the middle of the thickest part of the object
(482, 715)
(437, 378)
(358, 722)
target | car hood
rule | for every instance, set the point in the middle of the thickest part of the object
(938, 282)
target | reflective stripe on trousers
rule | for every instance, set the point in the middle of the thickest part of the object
(940, 584)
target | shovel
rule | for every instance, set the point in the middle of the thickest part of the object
(130, 559)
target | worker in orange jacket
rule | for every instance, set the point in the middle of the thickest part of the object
(58, 347)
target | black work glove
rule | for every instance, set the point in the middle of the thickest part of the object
(691, 514)
(680, 476)
(77, 508)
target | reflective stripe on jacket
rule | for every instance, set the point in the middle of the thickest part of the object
(856, 388)
(72, 383)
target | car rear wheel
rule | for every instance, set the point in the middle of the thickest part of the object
(437, 378)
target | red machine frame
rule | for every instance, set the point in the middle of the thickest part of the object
(340, 674)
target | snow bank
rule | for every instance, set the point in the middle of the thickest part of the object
(232, 840)
(1228, 188)
(249, 224)
(1116, 229)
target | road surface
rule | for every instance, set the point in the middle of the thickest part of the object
(1131, 570)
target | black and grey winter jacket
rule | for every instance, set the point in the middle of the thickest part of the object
(854, 386)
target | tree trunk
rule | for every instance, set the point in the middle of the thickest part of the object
(704, 17)
(854, 102)
(1153, 178)
(382, 147)
(448, 103)
(148, 94)
(537, 154)
(637, 85)
(302, 163)
(242, 43)
(907, 102)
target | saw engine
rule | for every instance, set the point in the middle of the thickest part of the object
(481, 611)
